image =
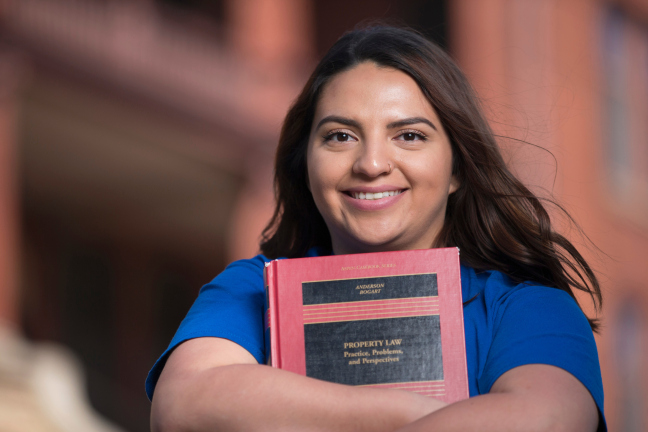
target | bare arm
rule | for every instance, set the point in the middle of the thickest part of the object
(213, 384)
(528, 398)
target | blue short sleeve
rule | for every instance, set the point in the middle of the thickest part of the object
(230, 307)
(536, 324)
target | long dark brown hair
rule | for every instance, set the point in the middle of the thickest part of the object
(493, 218)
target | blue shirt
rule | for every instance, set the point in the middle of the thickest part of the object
(506, 325)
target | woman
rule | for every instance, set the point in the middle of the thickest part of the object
(387, 149)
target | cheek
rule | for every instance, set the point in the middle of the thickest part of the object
(321, 173)
(432, 176)
(316, 178)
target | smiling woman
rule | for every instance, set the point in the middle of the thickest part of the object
(379, 169)
(386, 149)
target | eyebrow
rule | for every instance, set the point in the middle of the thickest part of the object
(410, 121)
(337, 119)
(399, 123)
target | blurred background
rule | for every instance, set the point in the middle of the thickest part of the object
(136, 147)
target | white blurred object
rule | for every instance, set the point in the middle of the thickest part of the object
(42, 389)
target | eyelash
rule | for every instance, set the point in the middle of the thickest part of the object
(329, 136)
(420, 135)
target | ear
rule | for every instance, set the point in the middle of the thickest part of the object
(454, 184)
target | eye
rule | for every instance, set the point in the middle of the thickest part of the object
(411, 136)
(338, 137)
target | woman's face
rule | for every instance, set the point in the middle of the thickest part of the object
(379, 162)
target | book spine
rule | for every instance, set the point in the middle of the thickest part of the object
(266, 317)
(272, 333)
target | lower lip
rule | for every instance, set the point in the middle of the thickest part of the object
(374, 205)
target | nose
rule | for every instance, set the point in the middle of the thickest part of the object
(373, 159)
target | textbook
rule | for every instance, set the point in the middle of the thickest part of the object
(387, 319)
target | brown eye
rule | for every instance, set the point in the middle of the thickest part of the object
(342, 136)
(338, 137)
(409, 136)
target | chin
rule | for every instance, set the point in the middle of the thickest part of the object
(374, 244)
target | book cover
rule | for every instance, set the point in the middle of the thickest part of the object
(388, 319)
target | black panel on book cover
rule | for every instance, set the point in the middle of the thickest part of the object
(344, 290)
(406, 349)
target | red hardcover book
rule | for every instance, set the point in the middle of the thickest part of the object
(388, 319)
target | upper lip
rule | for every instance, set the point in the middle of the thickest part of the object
(374, 189)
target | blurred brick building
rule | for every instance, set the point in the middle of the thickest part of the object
(572, 77)
(136, 145)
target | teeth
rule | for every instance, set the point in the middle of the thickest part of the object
(376, 195)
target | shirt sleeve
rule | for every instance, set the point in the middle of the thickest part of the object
(541, 325)
(230, 307)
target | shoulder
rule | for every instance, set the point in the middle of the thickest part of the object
(229, 307)
(248, 270)
(515, 324)
(497, 292)
(252, 265)
(240, 278)
(518, 312)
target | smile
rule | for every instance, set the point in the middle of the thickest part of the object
(374, 195)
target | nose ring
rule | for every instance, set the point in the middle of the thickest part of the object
(390, 168)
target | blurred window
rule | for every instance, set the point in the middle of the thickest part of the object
(212, 9)
(334, 17)
(629, 333)
(625, 117)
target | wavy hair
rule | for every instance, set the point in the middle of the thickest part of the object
(496, 221)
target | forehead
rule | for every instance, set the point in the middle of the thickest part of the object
(370, 91)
